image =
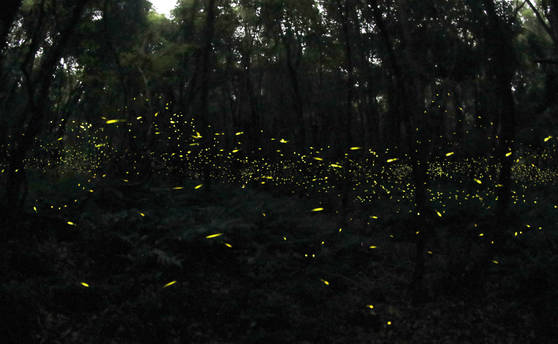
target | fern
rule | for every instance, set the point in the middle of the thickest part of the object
(166, 259)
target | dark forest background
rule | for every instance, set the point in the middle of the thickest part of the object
(283, 171)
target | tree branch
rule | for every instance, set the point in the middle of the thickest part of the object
(541, 20)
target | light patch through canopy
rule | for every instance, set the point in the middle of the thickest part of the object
(163, 6)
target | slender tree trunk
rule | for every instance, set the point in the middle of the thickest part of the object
(503, 69)
(499, 42)
(204, 80)
(297, 96)
(418, 139)
(188, 87)
(374, 124)
(255, 123)
(112, 49)
(410, 91)
(346, 9)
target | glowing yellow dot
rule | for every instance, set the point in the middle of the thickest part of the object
(169, 284)
(213, 235)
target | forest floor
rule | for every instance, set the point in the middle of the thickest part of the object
(162, 264)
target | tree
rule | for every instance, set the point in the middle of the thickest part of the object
(37, 82)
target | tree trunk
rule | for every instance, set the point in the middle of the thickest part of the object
(35, 112)
(346, 10)
(501, 45)
(255, 123)
(293, 78)
(409, 98)
(204, 81)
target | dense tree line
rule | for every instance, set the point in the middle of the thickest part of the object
(414, 76)
(474, 80)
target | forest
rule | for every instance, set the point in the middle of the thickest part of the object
(279, 171)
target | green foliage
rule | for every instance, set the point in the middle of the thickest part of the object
(168, 197)
(270, 286)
